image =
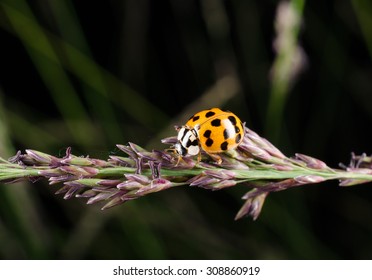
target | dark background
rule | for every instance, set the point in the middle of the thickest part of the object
(92, 74)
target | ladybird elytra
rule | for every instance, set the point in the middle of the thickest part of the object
(213, 131)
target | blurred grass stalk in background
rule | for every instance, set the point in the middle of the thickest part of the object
(363, 12)
(290, 60)
(52, 64)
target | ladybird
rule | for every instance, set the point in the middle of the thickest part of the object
(213, 131)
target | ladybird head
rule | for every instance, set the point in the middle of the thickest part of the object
(187, 142)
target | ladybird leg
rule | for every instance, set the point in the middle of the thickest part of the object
(199, 156)
(216, 158)
(174, 151)
(170, 150)
(199, 153)
(179, 160)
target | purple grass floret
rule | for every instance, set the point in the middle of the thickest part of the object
(256, 163)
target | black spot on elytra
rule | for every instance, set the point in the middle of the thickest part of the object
(232, 119)
(237, 129)
(209, 142)
(207, 133)
(209, 114)
(195, 118)
(226, 134)
(216, 122)
(224, 146)
(238, 138)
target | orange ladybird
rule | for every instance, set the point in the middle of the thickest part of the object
(213, 131)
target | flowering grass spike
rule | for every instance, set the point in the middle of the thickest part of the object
(255, 163)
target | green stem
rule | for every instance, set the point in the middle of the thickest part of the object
(13, 171)
(282, 74)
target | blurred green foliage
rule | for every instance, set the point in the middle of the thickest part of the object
(93, 75)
